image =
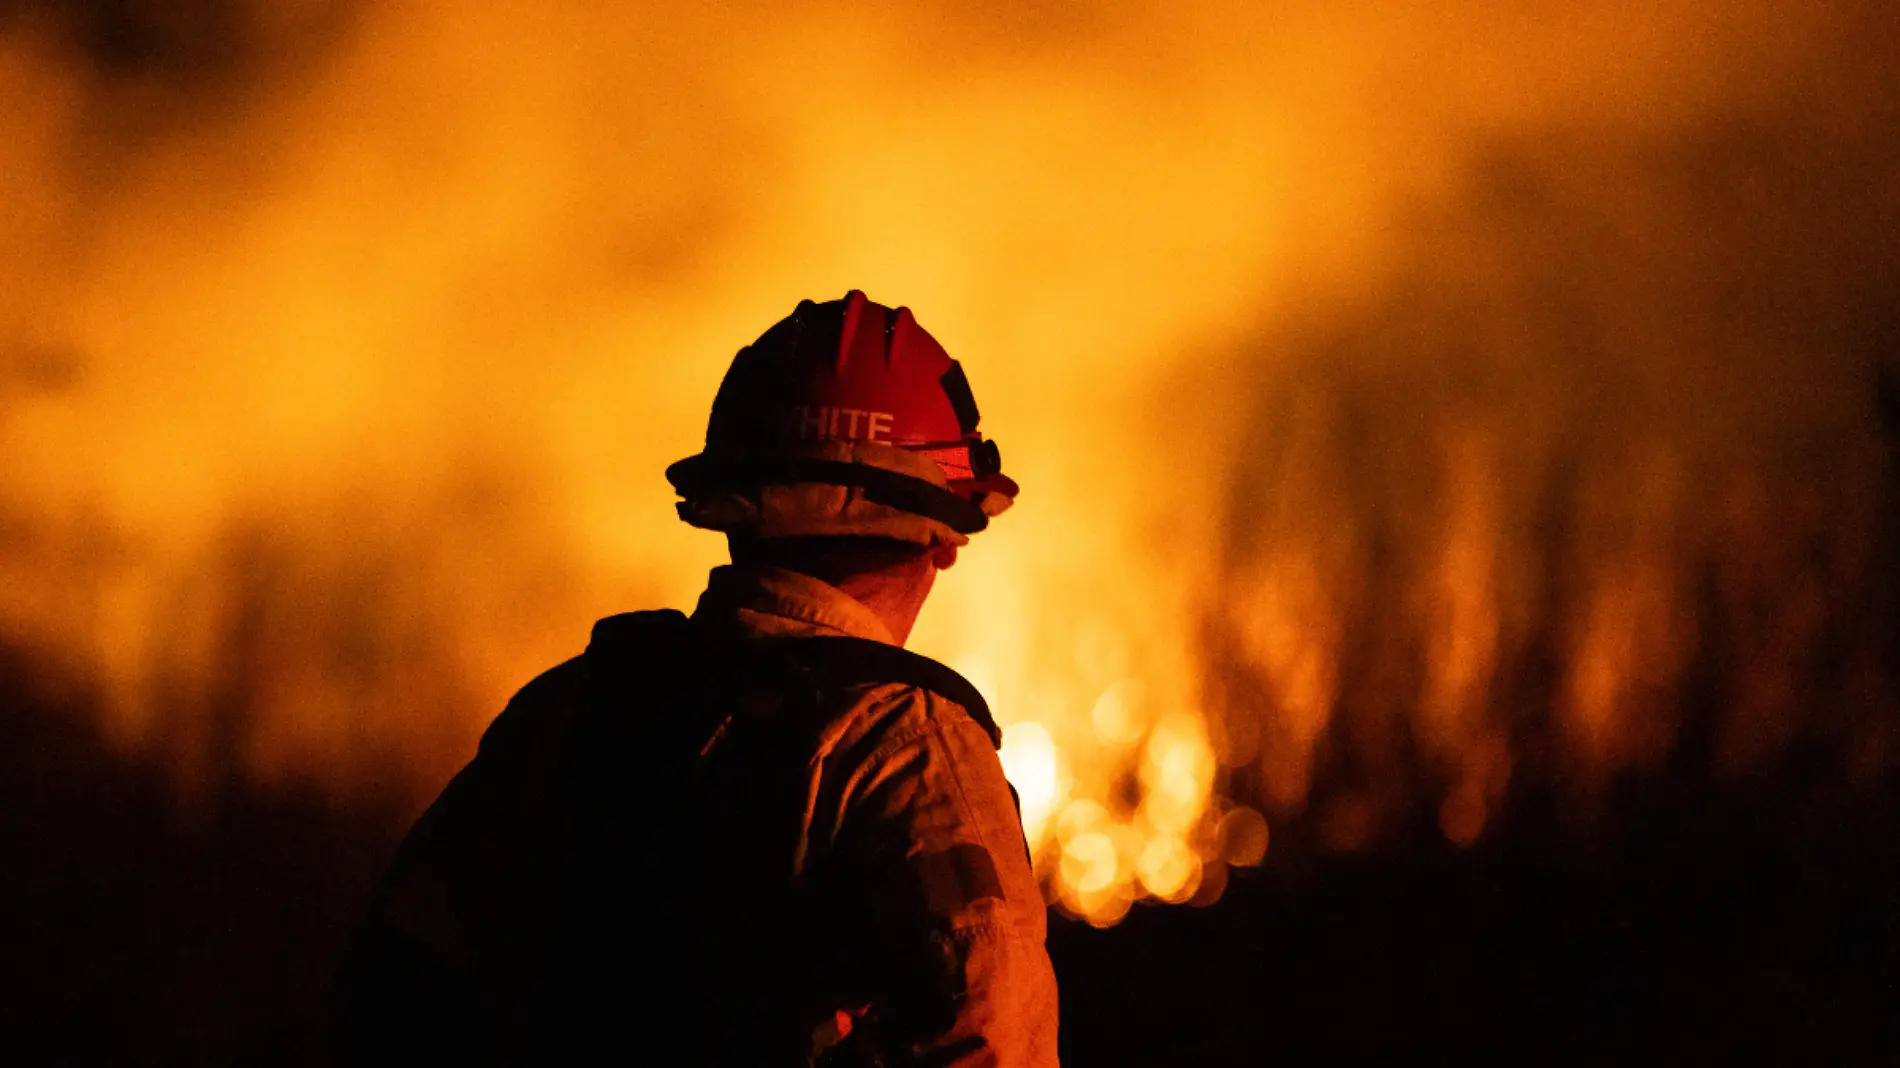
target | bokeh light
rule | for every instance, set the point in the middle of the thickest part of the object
(1401, 410)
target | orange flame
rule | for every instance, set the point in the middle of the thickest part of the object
(342, 360)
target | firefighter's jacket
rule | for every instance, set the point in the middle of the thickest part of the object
(701, 849)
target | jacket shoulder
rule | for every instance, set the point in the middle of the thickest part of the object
(550, 698)
(856, 663)
(549, 702)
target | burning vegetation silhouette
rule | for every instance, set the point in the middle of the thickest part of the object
(1440, 431)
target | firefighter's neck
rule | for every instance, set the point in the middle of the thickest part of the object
(894, 595)
(892, 579)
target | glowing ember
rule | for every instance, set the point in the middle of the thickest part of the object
(1029, 759)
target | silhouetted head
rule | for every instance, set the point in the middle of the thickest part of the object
(845, 418)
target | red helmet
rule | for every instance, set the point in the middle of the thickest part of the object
(853, 396)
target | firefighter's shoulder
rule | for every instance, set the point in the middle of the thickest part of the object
(890, 715)
(539, 713)
(892, 692)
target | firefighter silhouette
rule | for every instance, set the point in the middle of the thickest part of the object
(764, 834)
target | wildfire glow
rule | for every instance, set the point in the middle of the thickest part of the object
(337, 382)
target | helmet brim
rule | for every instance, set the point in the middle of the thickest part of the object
(707, 474)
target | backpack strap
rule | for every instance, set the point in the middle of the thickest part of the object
(635, 641)
(842, 662)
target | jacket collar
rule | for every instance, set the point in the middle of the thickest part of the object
(771, 602)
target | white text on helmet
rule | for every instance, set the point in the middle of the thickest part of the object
(850, 424)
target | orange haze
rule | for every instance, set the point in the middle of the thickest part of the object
(1356, 361)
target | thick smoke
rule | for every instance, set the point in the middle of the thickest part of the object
(1413, 407)
(1595, 487)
